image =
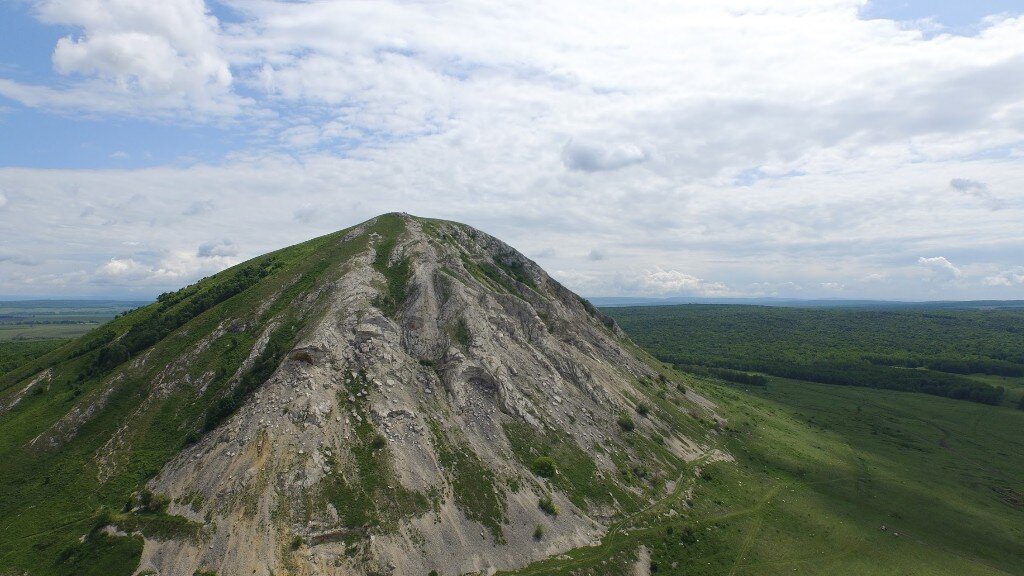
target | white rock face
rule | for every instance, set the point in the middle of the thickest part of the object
(464, 355)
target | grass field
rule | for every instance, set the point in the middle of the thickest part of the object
(56, 319)
(828, 479)
(819, 471)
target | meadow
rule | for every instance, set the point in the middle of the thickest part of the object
(833, 480)
(828, 479)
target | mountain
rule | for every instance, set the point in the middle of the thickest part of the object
(401, 397)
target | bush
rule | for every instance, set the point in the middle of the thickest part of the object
(544, 467)
(548, 505)
(626, 423)
(643, 409)
(296, 542)
(149, 502)
(538, 532)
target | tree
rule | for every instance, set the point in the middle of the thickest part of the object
(543, 466)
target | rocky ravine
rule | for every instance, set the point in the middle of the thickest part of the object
(381, 443)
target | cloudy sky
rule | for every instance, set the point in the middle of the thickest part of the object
(797, 148)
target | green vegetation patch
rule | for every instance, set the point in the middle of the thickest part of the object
(475, 487)
(281, 340)
(459, 333)
(397, 273)
(575, 472)
(931, 351)
(196, 340)
(837, 480)
(14, 354)
(499, 275)
(368, 495)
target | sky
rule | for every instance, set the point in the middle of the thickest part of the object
(747, 148)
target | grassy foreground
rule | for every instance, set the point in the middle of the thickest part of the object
(834, 480)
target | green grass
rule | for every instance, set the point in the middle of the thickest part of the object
(396, 272)
(477, 491)
(577, 474)
(366, 492)
(820, 469)
(28, 332)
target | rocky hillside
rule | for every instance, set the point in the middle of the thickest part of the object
(402, 397)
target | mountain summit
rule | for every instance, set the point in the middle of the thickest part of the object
(405, 396)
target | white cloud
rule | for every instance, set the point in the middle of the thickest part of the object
(1006, 278)
(3, 200)
(941, 268)
(581, 125)
(173, 268)
(134, 56)
(663, 282)
(120, 267)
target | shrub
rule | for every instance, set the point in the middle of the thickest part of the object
(149, 502)
(643, 409)
(544, 467)
(296, 542)
(626, 423)
(538, 532)
(548, 505)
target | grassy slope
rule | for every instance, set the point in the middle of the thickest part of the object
(50, 498)
(14, 354)
(820, 469)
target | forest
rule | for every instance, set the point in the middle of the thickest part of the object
(928, 351)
